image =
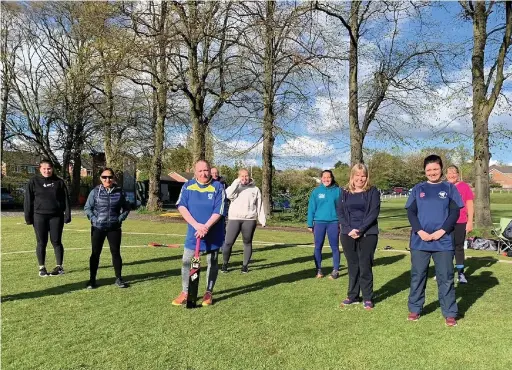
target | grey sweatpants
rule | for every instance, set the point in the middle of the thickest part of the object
(211, 272)
(247, 228)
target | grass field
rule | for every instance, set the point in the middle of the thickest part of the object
(393, 217)
(277, 316)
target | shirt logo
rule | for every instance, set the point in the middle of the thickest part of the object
(321, 196)
(422, 195)
(210, 196)
(442, 194)
(48, 185)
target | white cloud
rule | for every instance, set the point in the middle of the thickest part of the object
(304, 146)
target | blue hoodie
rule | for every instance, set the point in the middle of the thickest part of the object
(322, 204)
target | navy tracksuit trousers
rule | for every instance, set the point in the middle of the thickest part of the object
(443, 262)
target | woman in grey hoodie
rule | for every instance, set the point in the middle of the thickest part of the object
(246, 207)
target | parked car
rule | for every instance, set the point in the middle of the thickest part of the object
(7, 199)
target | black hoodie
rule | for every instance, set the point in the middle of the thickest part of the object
(46, 196)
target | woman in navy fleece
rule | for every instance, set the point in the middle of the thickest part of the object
(433, 209)
(322, 219)
(358, 209)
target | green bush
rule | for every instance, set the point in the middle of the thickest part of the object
(299, 203)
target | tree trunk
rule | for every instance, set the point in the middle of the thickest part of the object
(356, 137)
(199, 137)
(480, 116)
(75, 180)
(154, 202)
(268, 110)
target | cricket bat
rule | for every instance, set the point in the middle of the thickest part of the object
(154, 244)
(193, 277)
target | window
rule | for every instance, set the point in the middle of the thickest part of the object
(31, 169)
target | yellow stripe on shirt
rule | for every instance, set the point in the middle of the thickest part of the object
(195, 187)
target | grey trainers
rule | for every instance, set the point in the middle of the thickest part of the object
(43, 272)
(58, 270)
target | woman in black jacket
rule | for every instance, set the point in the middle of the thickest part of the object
(107, 208)
(358, 209)
(46, 207)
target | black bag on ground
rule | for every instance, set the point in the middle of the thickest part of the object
(507, 233)
(484, 244)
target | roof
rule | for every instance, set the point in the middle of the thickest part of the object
(181, 176)
(502, 169)
(21, 158)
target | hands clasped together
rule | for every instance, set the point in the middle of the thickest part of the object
(201, 230)
(436, 235)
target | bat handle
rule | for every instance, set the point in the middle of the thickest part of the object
(198, 247)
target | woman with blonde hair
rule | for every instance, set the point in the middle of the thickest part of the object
(358, 209)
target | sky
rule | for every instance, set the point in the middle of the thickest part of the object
(318, 136)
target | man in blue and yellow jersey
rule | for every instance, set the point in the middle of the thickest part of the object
(201, 203)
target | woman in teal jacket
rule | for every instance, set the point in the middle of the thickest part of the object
(322, 219)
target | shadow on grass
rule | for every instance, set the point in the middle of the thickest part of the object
(388, 260)
(133, 263)
(476, 263)
(68, 288)
(468, 294)
(293, 261)
(277, 246)
(260, 285)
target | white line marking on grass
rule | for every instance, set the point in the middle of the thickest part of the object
(81, 249)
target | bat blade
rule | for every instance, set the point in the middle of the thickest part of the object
(193, 278)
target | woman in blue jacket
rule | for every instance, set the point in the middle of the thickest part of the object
(107, 208)
(322, 219)
(358, 209)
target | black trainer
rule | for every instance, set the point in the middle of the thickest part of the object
(224, 268)
(120, 283)
(43, 272)
(91, 284)
(58, 270)
(244, 270)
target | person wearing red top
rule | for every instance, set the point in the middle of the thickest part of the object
(465, 222)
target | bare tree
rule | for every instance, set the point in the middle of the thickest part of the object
(9, 44)
(486, 91)
(151, 22)
(401, 63)
(281, 47)
(206, 60)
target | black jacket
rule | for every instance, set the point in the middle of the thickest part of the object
(46, 196)
(370, 225)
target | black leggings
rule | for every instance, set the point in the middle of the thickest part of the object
(459, 236)
(114, 240)
(234, 228)
(44, 224)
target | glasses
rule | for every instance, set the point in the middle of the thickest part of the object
(107, 177)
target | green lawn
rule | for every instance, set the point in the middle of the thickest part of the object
(393, 217)
(277, 316)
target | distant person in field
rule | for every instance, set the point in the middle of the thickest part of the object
(358, 209)
(322, 220)
(245, 210)
(464, 223)
(201, 203)
(107, 208)
(47, 208)
(217, 177)
(433, 209)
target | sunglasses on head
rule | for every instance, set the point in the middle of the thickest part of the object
(107, 177)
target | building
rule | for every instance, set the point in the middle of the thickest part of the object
(501, 175)
(20, 162)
